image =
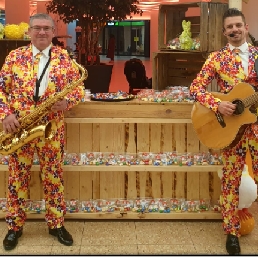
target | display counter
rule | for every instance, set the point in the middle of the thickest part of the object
(131, 127)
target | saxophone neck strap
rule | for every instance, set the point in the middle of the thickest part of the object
(38, 81)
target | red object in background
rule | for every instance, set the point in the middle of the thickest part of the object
(94, 58)
(135, 91)
(111, 47)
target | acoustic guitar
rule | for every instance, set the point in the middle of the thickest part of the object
(217, 131)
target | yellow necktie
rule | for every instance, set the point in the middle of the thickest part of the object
(236, 52)
(36, 64)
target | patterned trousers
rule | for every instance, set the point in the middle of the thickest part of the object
(233, 161)
(50, 154)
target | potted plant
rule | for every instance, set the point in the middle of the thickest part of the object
(92, 16)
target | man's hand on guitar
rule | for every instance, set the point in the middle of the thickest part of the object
(226, 108)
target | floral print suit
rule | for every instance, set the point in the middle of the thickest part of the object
(223, 66)
(17, 82)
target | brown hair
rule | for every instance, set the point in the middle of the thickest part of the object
(232, 12)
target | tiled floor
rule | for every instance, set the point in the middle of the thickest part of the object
(131, 238)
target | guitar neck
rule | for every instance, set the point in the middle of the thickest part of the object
(251, 100)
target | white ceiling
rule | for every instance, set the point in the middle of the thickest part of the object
(2, 2)
(143, 3)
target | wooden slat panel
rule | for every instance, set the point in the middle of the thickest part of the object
(161, 35)
(178, 17)
(155, 141)
(119, 146)
(112, 139)
(72, 186)
(72, 179)
(218, 25)
(85, 185)
(86, 141)
(167, 179)
(179, 81)
(195, 65)
(85, 144)
(204, 179)
(143, 145)
(36, 188)
(154, 70)
(106, 180)
(193, 184)
(183, 56)
(130, 109)
(96, 148)
(212, 25)
(180, 134)
(216, 187)
(204, 27)
(130, 147)
(194, 19)
(171, 27)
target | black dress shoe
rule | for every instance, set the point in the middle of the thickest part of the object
(62, 235)
(11, 239)
(232, 245)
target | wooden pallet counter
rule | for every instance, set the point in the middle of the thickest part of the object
(7, 45)
(131, 126)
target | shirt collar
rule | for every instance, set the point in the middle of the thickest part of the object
(45, 52)
(243, 48)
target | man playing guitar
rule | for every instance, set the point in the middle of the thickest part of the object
(231, 67)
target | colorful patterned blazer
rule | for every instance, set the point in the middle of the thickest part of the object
(17, 82)
(223, 66)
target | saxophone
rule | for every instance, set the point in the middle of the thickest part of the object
(30, 124)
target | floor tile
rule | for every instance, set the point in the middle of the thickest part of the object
(109, 233)
(166, 249)
(115, 249)
(211, 248)
(66, 250)
(36, 240)
(34, 250)
(163, 233)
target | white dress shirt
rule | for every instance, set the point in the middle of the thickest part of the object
(244, 55)
(43, 61)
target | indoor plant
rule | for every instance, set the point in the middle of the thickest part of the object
(93, 16)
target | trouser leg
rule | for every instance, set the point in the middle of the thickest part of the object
(51, 159)
(19, 178)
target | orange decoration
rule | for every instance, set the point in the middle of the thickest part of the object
(246, 226)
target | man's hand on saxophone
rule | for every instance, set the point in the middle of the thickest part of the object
(11, 124)
(59, 105)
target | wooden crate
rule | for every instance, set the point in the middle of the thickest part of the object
(208, 25)
(7, 45)
(177, 69)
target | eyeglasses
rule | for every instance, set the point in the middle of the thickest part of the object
(38, 29)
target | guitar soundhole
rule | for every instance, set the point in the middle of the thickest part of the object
(239, 107)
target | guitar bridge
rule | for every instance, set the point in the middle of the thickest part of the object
(220, 120)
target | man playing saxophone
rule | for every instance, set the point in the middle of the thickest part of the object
(30, 76)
